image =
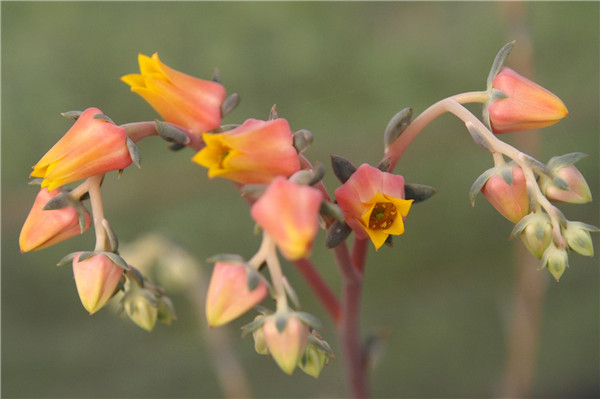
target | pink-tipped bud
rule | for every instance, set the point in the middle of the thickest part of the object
(44, 228)
(233, 290)
(578, 191)
(511, 200)
(289, 213)
(97, 278)
(527, 105)
(286, 336)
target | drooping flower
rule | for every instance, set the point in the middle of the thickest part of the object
(97, 278)
(253, 153)
(285, 336)
(511, 200)
(373, 204)
(527, 105)
(289, 213)
(578, 191)
(93, 146)
(44, 228)
(232, 293)
(181, 99)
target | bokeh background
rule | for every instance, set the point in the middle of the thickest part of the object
(342, 70)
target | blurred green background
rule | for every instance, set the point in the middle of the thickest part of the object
(341, 70)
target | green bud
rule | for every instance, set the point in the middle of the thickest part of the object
(555, 260)
(578, 237)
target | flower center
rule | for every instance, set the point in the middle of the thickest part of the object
(382, 216)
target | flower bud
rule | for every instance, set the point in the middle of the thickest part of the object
(181, 99)
(510, 199)
(555, 260)
(578, 191)
(578, 237)
(289, 213)
(536, 233)
(234, 289)
(252, 153)
(44, 228)
(315, 356)
(97, 279)
(526, 105)
(286, 336)
(141, 306)
(93, 146)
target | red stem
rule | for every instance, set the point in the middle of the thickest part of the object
(349, 324)
(320, 288)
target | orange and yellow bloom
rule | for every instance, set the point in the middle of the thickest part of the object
(91, 147)
(373, 204)
(289, 213)
(181, 99)
(229, 295)
(44, 228)
(527, 105)
(97, 278)
(253, 153)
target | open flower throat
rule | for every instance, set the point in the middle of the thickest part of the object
(382, 216)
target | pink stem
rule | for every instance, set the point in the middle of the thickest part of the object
(320, 288)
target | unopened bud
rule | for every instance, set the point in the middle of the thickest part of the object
(285, 335)
(536, 232)
(578, 237)
(555, 260)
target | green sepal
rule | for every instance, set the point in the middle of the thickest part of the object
(309, 319)
(336, 234)
(102, 117)
(61, 201)
(418, 192)
(216, 76)
(565, 160)
(477, 137)
(302, 140)
(253, 191)
(72, 115)
(134, 153)
(36, 181)
(170, 133)
(230, 104)
(281, 321)
(68, 259)
(396, 126)
(86, 255)
(227, 258)
(117, 260)
(385, 164)
(166, 310)
(506, 173)
(330, 209)
(225, 128)
(113, 241)
(253, 278)
(273, 114)
(536, 165)
(342, 168)
(499, 62)
(252, 326)
(479, 183)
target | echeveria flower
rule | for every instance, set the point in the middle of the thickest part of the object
(94, 145)
(179, 98)
(373, 204)
(253, 153)
(97, 278)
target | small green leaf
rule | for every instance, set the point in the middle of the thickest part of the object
(479, 183)
(68, 259)
(230, 104)
(73, 115)
(342, 168)
(170, 133)
(61, 201)
(309, 319)
(134, 153)
(418, 192)
(103, 117)
(336, 234)
(396, 126)
(499, 62)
